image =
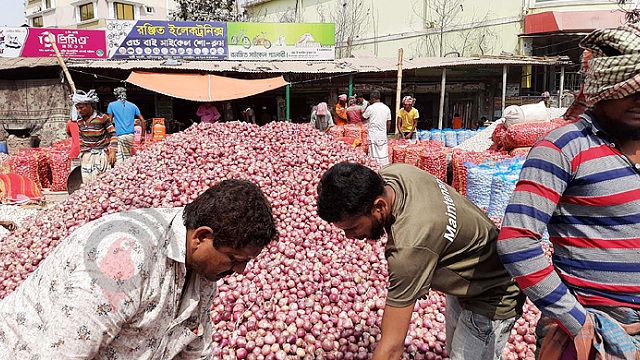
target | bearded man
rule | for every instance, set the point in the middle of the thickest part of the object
(436, 239)
(582, 183)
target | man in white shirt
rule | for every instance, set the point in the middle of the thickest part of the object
(137, 284)
(377, 116)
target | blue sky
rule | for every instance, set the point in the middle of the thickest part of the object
(12, 13)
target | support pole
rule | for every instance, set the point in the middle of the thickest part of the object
(505, 69)
(351, 85)
(561, 86)
(288, 101)
(398, 92)
(52, 40)
(443, 86)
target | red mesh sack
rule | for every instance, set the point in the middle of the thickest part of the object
(365, 133)
(459, 157)
(353, 131)
(412, 155)
(520, 152)
(337, 131)
(434, 161)
(25, 164)
(498, 134)
(44, 171)
(526, 134)
(60, 164)
(399, 153)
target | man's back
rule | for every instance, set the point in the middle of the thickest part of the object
(124, 114)
(440, 239)
(377, 115)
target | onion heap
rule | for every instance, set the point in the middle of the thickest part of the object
(311, 294)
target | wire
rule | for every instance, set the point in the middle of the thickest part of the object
(320, 79)
(97, 75)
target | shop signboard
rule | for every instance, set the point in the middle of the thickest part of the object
(155, 39)
(35, 42)
(281, 41)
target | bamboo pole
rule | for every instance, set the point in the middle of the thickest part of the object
(505, 70)
(52, 40)
(443, 89)
(398, 91)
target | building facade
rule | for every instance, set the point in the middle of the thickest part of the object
(458, 28)
(91, 14)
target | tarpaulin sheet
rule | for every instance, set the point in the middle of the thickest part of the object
(199, 87)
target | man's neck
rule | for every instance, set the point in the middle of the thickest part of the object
(631, 148)
(390, 197)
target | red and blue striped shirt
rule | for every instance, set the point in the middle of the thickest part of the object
(586, 192)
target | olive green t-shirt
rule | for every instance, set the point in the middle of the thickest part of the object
(441, 240)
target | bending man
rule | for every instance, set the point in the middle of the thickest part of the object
(138, 284)
(436, 239)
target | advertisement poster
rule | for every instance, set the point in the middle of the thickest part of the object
(12, 41)
(154, 39)
(35, 42)
(281, 41)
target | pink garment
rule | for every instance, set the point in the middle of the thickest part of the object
(322, 109)
(354, 114)
(208, 113)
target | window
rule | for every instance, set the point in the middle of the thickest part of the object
(47, 4)
(124, 11)
(37, 21)
(86, 12)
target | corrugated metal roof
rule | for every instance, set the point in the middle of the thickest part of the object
(16, 63)
(221, 66)
(339, 66)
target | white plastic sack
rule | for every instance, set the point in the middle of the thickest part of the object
(515, 114)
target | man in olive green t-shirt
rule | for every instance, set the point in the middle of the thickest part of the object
(436, 239)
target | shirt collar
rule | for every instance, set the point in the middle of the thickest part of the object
(592, 124)
(176, 239)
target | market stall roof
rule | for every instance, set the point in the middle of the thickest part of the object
(203, 87)
(358, 64)
(19, 62)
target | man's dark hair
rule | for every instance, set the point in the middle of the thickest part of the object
(456, 115)
(375, 94)
(237, 211)
(348, 190)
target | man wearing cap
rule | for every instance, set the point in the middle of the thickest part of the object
(123, 114)
(582, 183)
(98, 139)
(407, 119)
(341, 110)
(546, 97)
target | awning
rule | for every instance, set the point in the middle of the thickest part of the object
(198, 87)
(572, 21)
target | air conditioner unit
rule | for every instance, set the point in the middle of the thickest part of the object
(149, 10)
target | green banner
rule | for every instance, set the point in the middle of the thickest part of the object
(281, 41)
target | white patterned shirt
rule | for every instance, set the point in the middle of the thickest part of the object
(114, 289)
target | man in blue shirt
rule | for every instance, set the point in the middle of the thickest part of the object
(123, 114)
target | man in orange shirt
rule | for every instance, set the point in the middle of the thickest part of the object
(457, 121)
(341, 110)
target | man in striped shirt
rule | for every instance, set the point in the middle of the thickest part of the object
(98, 139)
(582, 182)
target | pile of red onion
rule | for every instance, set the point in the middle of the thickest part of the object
(313, 294)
